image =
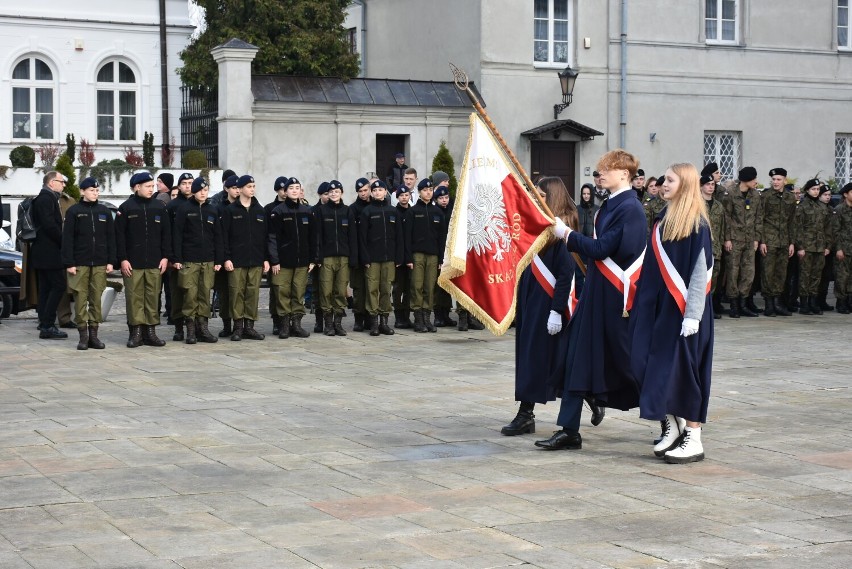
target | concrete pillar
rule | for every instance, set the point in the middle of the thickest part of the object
(235, 118)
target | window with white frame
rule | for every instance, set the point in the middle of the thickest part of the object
(843, 158)
(552, 41)
(723, 148)
(720, 21)
(843, 39)
(117, 94)
(33, 100)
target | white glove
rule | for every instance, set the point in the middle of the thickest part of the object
(689, 327)
(561, 230)
(554, 323)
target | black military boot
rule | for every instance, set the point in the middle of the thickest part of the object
(149, 336)
(284, 327)
(178, 337)
(439, 318)
(805, 305)
(359, 322)
(770, 307)
(237, 332)
(780, 309)
(523, 423)
(824, 305)
(735, 308)
(751, 305)
(83, 344)
(843, 305)
(462, 325)
(744, 309)
(474, 324)
(296, 329)
(135, 339)
(328, 324)
(383, 325)
(227, 330)
(815, 307)
(400, 320)
(320, 323)
(249, 333)
(94, 342)
(338, 324)
(427, 321)
(276, 325)
(203, 333)
(419, 324)
(406, 320)
(190, 331)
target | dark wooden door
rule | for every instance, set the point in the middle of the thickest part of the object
(553, 158)
(387, 145)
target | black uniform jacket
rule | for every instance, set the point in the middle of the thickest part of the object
(338, 233)
(245, 231)
(143, 232)
(380, 234)
(45, 250)
(425, 230)
(88, 236)
(292, 235)
(198, 234)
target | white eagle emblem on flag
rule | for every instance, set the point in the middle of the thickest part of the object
(487, 225)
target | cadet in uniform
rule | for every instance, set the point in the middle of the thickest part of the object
(338, 251)
(143, 244)
(653, 203)
(776, 241)
(443, 300)
(198, 256)
(380, 252)
(812, 245)
(402, 280)
(743, 218)
(220, 282)
(292, 255)
(843, 239)
(827, 269)
(716, 214)
(316, 304)
(88, 252)
(245, 235)
(184, 193)
(638, 184)
(424, 234)
(356, 275)
(280, 188)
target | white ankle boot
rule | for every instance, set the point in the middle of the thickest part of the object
(689, 450)
(673, 430)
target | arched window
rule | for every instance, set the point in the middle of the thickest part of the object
(33, 99)
(117, 98)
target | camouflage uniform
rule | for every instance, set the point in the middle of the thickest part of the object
(843, 241)
(743, 226)
(779, 208)
(653, 205)
(716, 213)
(811, 233)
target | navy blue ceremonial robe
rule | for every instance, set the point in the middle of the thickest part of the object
(673, 372)
(598, 359)
(540, 357)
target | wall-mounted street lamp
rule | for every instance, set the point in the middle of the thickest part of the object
(567, 79)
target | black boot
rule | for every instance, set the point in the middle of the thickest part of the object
(439, 318)
(419, 324)
(83, 344)
(427, 321)
(94, 341)
(237, 332)
(383, 325)
(190, 331)
(815, 307)
(805, 305)
(178, 337)
(751, 305)
(296, 329)
(843, 305)
(373, 323)
(328, 324)
(249, 333)
(735, 308)
(203, 333)
(135, 339)
(359, 322)
(276, 325)
(401, 320)
(284, 327)
(744, 309)
(474, 324)
(598, 411)
(780, 309)
(462, 326)
(770, 307)
(338, 324)
(824, 305)
(149, 336)
(523, 423)
(227, 330)
(448, 317)
(320, 322)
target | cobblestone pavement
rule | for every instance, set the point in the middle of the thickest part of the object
(386, 452)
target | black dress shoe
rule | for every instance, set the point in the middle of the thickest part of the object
(523, 423)
(562, 440)
(598, 411)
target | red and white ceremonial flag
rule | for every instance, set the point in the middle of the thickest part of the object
(495, 230)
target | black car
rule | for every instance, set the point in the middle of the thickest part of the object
(10, 282)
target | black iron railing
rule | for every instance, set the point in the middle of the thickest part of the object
(198, 127)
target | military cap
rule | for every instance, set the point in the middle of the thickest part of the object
(778, 172)
(823, 189)
(846, 188)
(185, 176)
(747, 174)
(710, 169)
(441, 191)
(810, 184)
(323, 188)
(335, 185)
(230, 181)
(639, 172)
(424, 183)
(244, 180)
(140, 178)
(361, 182)
(660, 181)
(378, 184)
(292, 180)
(198, 184)
(704, 180)
(402, 189)
(89, 183)
(280, 183)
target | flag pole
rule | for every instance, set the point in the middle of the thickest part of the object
(461, 81)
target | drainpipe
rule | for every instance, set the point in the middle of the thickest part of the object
(622, 134)
(164, 73)
(363, 4)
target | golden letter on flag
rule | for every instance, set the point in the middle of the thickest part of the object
(495, 230)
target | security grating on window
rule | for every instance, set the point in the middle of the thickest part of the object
(843, 158)
(724, 149)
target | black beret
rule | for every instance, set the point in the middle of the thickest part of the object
(198, 184)
(596, 174)
(402, 189)
(185, 176)
(244, 180)
(660, 181)
(640, 172)
(280, 183)
(846, 188)
(810, 184)
(823, 188)
(167, 179)
(323, 188)
(778, 172)
(89, 183)
(335, 185)
(378, 184)
(291, 180)
(710, 169)
(747, 174)
(424, 183)
(704, 180)
(361, 182)
(231, 181)
(441, 191)
(227, 174)
(140, 178)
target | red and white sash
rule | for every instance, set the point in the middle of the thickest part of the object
(548, 282)
(674, 282)
(624, 280)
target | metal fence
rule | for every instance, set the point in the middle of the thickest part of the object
(198, 127)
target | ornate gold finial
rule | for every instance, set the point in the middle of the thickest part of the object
(459, 77)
